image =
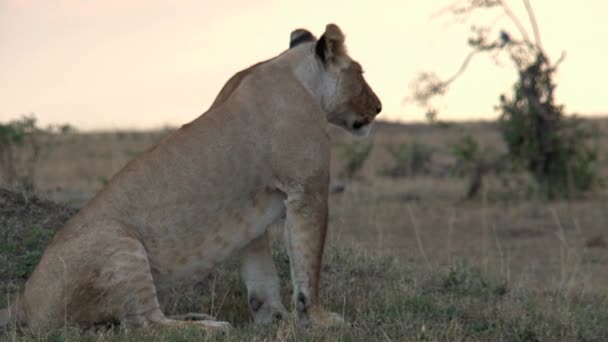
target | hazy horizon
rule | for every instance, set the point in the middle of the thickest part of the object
(136, 65)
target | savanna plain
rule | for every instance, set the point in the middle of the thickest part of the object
(408, 258)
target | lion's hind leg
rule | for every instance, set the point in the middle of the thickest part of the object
(130, 292)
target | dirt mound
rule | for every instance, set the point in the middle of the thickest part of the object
(26, 225)
(19, 211)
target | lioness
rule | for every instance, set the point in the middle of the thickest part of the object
(208, 190)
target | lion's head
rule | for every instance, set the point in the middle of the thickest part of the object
(348, 100)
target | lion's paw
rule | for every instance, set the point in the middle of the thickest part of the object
(270, 313)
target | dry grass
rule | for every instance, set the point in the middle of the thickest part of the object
(383, 300)
(427, 266)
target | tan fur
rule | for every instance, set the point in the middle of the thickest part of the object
(211, 189)
(335, 42)
(232, 84)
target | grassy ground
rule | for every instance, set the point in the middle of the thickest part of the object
(407, 259)
(383, 300)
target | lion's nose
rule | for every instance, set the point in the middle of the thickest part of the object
(378, 109)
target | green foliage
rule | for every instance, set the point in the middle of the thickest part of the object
(22, 144)
(25, 250)
(431, 116)
(409, 159)
(15, 170)
(553, 148)
(355, 155)
(466, 152)
(16, 132)
(475, 163)
(66, 129)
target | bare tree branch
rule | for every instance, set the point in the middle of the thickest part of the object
(463, 11)
(559, 60)
(522, 51)
(462, 68)
(534, 24)
(516, 21)
(448, 9)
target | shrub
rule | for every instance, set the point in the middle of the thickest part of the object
(16, 168)
(22, 144)
(355, 155)
(555, 149)
(409, 159)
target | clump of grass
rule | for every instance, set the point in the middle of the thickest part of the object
(467, 280)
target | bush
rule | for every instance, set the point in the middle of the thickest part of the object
(555, 149)
(469, 162)
(16, 169)
(466, 153)
(22, 144)
(355, 155)
(409, 159)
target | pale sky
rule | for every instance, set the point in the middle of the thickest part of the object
(142, 64)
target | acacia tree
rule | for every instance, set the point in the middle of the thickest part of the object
(555, 149)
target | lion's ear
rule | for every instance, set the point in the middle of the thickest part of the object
(300, 36)
(331, 44)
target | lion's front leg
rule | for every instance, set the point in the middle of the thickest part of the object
(306, 228)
